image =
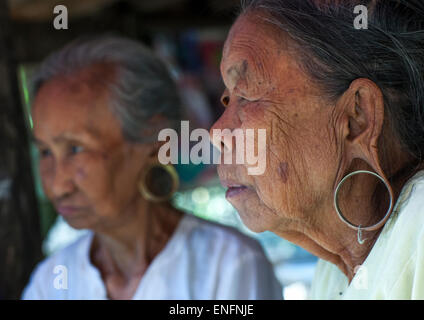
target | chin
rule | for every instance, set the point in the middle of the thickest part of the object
(79, 222)
(254, 220)
(253, 225)
(254, 214)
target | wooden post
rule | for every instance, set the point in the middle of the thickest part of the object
(20, 238)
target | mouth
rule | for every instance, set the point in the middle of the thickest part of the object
(66, 211)
(233, 189)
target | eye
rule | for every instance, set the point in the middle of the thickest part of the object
(76, 149)
(44, 152)
(225, 100)
(243, 100)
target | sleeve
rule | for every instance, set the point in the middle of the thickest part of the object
(250, 278)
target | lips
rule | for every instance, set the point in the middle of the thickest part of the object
(67, 210)
(233, 188)
(233, 191)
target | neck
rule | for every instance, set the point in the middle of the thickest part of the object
(338, 246)
(129, 246)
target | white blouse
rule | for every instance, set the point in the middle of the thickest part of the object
(202, 260)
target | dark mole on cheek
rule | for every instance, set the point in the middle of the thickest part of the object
(282, 171)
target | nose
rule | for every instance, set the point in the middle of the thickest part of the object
(221, 131)
(62, 182)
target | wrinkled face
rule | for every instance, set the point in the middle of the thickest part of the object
(88, 170)
(266, 89)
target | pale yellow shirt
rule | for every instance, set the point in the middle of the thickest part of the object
(394, 269)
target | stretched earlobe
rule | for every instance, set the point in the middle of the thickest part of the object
(362, 106)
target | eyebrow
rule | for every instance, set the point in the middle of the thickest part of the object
(35, 140)
(65, 136)
(69, 136)
(238, 72)
(241, 70)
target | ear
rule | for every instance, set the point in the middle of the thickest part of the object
(361, 124)
(144, 154)
(154, 149)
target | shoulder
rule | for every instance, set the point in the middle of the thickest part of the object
(405, 245)
(230, 264)
(60, 262)
(70, 254)
(200, 232)
(406, 226)
(328, 281)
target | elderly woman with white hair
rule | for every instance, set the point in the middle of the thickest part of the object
(98, 106)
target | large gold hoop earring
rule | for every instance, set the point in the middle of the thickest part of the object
(359, 228)
(158, 182)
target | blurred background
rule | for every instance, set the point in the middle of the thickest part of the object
(188, 35)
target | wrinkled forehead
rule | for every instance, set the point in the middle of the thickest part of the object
(74, 104)
(86, 83)
(253, 27)
(253, 45)
(96, 76)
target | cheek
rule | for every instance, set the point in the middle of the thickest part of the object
(94, 178)
(302, 161)
(252, 113)
(279, 188)
(274, 176)
(46, 169)
(105, 182)
(283, 186)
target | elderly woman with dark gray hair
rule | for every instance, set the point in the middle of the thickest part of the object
(99, 104)
(343, 108)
